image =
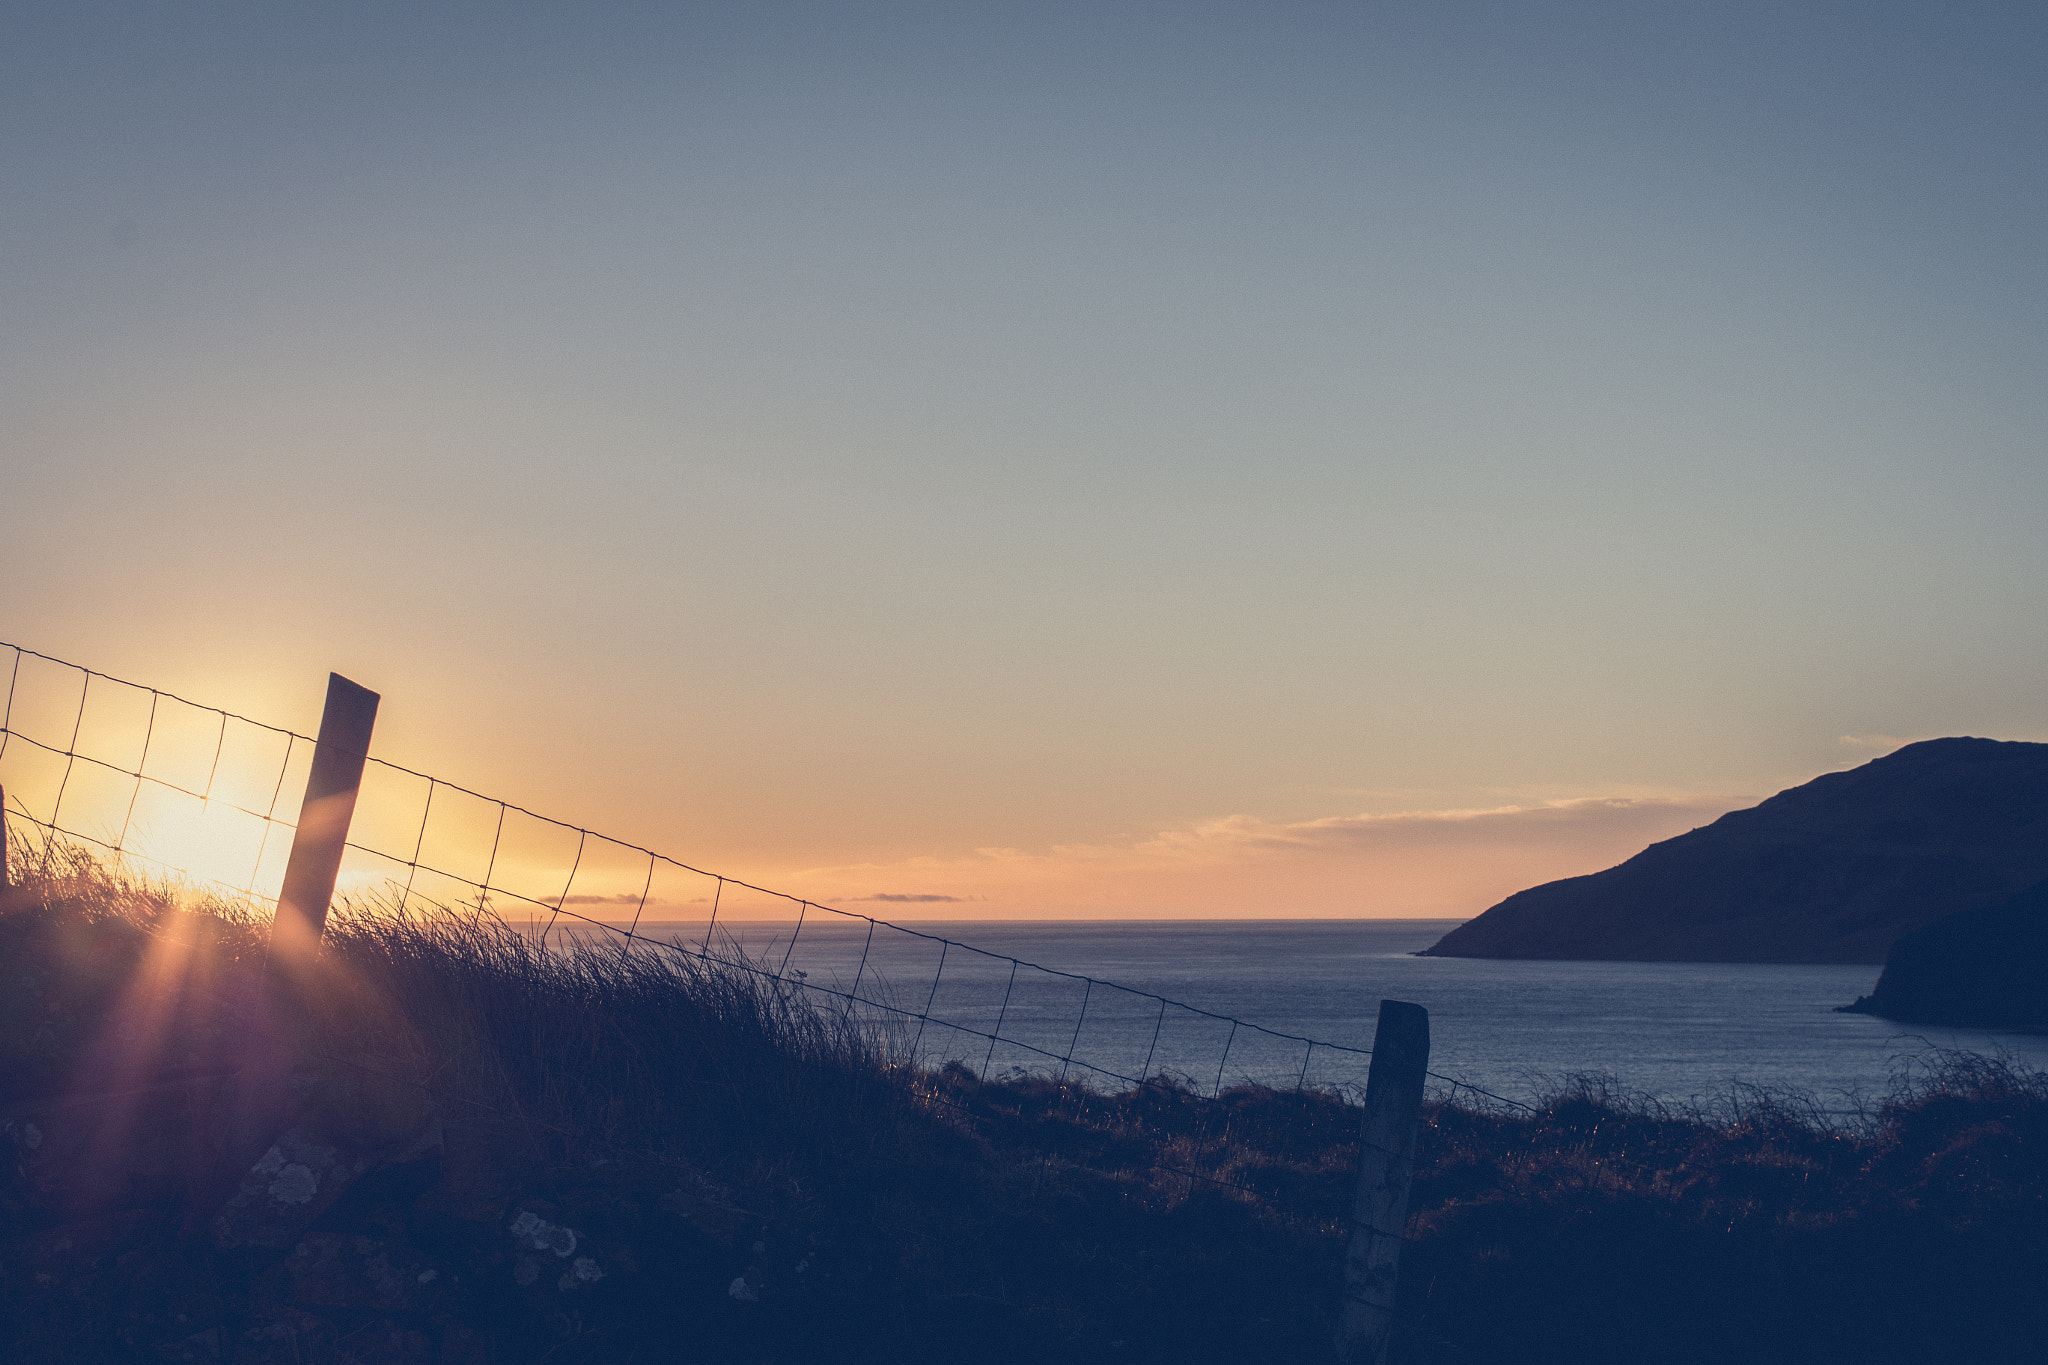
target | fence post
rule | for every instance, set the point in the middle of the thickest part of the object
(3, 841)
(1386, 1162)
(323, 822)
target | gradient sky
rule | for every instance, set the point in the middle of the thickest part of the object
(1146, 459)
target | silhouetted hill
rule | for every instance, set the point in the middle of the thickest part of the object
(1983, 968)
(1832, 871)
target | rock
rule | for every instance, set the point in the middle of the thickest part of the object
(486, 1161)
(386, 1343)
(532, 1232)
(1983, 968)
(717, 1220)
(75, 1251)
(1832, 871)
(295, 1181)
(550, 1254)
(371, 1104)
(348, 1120)
(583, 1270)
(199, 1347)
(164, 1293)
(462, 1345)
(287, 1336)
(337, 1270)
(81, 1154)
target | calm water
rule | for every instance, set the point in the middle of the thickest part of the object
(1676, 1031)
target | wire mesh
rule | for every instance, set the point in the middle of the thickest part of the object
(1000, 1012)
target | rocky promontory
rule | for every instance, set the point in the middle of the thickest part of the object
(1835, 870)
(1983, 968)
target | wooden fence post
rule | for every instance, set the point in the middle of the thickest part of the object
(1386, 1162)
(3, 841)
(330, 802)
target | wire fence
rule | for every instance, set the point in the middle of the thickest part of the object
(195, 790)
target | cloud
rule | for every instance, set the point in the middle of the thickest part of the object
(1600, 815)
(1418, 863)
(629, 898)
(1882, 744)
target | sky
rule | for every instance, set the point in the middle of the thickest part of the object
(1046, 459)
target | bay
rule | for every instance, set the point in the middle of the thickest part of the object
(1677, 1032)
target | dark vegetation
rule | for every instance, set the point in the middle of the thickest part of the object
(1983, 968)
(598, 1157)
(1834, 870)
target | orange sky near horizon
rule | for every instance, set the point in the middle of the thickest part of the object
(1412, 863)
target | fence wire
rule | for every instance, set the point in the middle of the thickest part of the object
(408, 851)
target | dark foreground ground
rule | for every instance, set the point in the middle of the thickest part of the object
(468, 1153)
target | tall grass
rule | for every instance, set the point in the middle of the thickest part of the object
(649, 1054)
(944, 1218)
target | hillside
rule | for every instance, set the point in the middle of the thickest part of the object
(491, 1155)
(1835, 870)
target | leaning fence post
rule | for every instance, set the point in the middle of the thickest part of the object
(1386, 1162)
(323, 822)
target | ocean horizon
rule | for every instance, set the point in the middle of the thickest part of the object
(1674, 1032)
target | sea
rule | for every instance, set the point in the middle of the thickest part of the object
(1286, 1002)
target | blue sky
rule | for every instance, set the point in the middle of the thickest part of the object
(835, 439)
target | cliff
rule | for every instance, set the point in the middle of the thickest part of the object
(1983, 968)
(1836, 870)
